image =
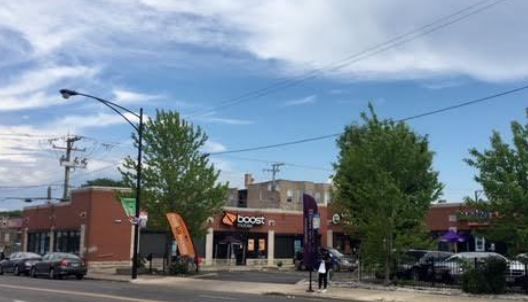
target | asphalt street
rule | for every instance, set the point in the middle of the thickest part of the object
(266, 277)
(24, 289)
(283, 277)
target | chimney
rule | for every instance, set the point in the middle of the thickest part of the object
(248, 179)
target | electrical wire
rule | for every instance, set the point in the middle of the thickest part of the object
(354, 58)
(278, 161)
(412, 117)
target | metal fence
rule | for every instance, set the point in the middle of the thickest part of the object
(440, 274)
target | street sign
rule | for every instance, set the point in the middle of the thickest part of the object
(311, 220)
(129, 205)
(143, 219)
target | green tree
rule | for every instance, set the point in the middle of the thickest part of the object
(503, 174)
(384, 185)
(104, 182)
(177, 176)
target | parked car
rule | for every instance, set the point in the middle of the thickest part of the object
(58, 265)
(454, 267)
(418, 264)
(340, 262)
(19, 263)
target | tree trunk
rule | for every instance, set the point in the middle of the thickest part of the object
(386, 281)
(388, 247)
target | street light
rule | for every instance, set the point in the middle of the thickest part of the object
(67, 93)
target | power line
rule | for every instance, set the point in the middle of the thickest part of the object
(266, 161)
(364, 54)
(412, 117)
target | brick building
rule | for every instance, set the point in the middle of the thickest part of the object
(259, 225)
(93, 225)
(10, 234)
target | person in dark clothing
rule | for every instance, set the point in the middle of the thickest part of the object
(2, 255)
(324, 265)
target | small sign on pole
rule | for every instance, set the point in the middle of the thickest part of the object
(143, 219)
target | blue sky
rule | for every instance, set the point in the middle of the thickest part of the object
(191, 56)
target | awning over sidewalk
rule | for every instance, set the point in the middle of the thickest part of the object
(453, 237)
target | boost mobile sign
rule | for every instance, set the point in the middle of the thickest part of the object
(244, 222)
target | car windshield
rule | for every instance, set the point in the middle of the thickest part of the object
(31, 256)
(413, 256)
(336, 253)
(65, 255)
(475, 255)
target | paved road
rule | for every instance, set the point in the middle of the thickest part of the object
(23, 289)
(283, 277)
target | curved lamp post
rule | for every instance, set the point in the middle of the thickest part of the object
(66, 93)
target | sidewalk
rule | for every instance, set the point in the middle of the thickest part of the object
(350, 294)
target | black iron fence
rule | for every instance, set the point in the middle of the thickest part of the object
(512, 275)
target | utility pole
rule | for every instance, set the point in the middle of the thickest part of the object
(275, 169)
(67, 162)
(477, 195)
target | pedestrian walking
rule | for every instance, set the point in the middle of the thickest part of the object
(324, 266)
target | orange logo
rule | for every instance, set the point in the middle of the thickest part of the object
(229, 219)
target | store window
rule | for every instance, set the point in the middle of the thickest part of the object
(38, 242)
(327, 197)
(67, 241)
(480, 244)
(289, 194)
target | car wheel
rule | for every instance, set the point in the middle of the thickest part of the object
(16, 271)
(1, 270)
(79, 277)
(33, 272)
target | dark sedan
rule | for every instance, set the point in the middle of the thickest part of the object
(19, 263)
(418, 264)
(58, 265)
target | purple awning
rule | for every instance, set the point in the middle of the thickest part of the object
(452, 237)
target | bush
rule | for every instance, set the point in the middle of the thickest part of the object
(487, 278)
(279, 264)
(182, 266)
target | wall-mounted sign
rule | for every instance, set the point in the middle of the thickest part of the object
(316, 221)
(476, 215)
(336, 218)
(241, 221)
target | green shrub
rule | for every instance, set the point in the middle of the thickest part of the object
(279, 264)
(182, 266)
(487, 278)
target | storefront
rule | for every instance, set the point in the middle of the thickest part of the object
(244, 236)
(92, 225)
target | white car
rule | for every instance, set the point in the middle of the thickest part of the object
(454, 266)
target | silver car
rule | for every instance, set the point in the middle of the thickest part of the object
(454, 267)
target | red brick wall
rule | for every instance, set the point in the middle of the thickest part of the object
(109, 230)
(438, 217)
(61, 216)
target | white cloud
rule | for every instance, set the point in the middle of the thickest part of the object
(127, 96)
(312, 99)
(300, 35)
(314, 33)
(210, 117)
(31, 89)
(212, 146)
(76, 123)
